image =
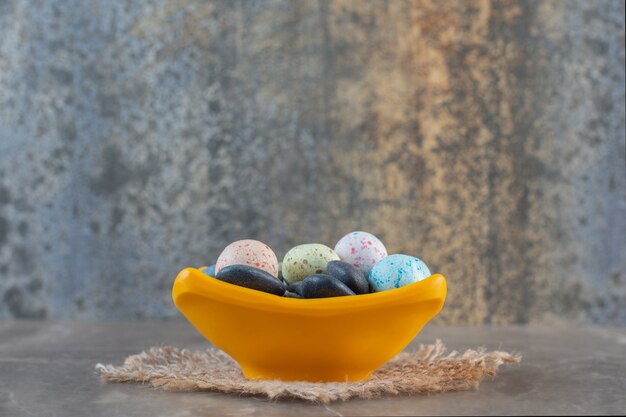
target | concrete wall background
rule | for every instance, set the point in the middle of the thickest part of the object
(140, 137)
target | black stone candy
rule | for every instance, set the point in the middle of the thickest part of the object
(290, 294)
(251, 277)
(349, 275)
(322, 286)
(280, 275)
(296, 287)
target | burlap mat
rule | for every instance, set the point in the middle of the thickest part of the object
(429, 369)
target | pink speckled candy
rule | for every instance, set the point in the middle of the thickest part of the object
(361, 249)
(248, 252)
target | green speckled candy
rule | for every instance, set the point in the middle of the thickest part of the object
(304, 260)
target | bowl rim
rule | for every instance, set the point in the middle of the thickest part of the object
(193, 281)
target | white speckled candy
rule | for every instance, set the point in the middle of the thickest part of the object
(395, 271)
(304, 260)
(248, 252)
(361, 249)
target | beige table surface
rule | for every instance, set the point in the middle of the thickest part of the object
(47, 369)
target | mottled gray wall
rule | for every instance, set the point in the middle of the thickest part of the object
(140, 137)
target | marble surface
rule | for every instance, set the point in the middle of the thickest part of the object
(47, 369)
(138, 137)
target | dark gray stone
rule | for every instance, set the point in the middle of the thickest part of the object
(296, 287)
(290, 294)
(349, 275)
(323, 286)
(253, 278)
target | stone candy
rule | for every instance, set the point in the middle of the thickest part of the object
(251, 277)
(323, 286)
(280, 273)
(248, 252)
(290, 294)
(395, 271)
(349, 275)
(209, 270)
(361, 250)
(296, 287)
(304, 260)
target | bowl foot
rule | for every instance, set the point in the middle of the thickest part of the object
(310, 375)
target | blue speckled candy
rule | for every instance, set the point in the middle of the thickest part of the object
(209, 270)
(395, 271)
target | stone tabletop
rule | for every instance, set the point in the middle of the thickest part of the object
(47, 369)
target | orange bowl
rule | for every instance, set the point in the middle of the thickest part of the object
(323, 339)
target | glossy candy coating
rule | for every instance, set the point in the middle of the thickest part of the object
(290, 294)
(395, 271)
(251, 277)
(304, 260)
(349, 275)
(361, 249)
(248, 252)
(296, 287)
(323, 286)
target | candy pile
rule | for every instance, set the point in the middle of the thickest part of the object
(359, 264)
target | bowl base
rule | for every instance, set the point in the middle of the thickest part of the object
(312, 375)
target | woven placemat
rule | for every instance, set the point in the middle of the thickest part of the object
(427, 370)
